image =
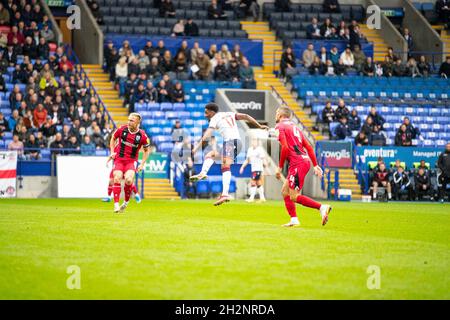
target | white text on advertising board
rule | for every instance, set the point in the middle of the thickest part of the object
(252, 105)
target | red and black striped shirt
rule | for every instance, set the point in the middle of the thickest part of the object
(130, 143)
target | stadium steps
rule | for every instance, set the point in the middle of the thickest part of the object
(109, 96)
(265, 78)
(348, 180)
(380, 47)
(444, 34)
(159, 189)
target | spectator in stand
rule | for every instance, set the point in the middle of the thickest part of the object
(58, 143)
(377, 137)
(399, 68)
(4, 125)
(424, 67)
(204, 65)
(96, 12)
(191, 28)
(442, 8)
(151, 94)
(121, 75)
(237, 53)
(16, 145)
(379, 69)
(246, 75)
(178, 29)
(381, 179)
(388, 67)
(342, 110)
(361, 139)
(220, 71)
(178, 133)
(334, 55)
(401, 184)
(323, 55)
(287, 63)
(317, 67)
(331, 6)
(368, 126)
(403, 138)
(329, 68)
(4, 16)
(308, 55)
(97, 138)
(368, 67)
(422, 185)
(340, 69)
(87, 148)
(342, 130)
(415, 133)
(47, 33)
(326, 28)
(328, 114)
(72, 143)
(181, 66)
(215, 12)
(313, 30)
(443, 164)
(354, 121)
(177, 93)
(39, 115)
(32, 145)
(408, 38)
(167, 9)
(225, 54)
(282, 5)
(348, 58)
(359, 58)
(12, 121)
(233, 70)
(444, 70)
(378, 120)
(163, 92)
(411, 68)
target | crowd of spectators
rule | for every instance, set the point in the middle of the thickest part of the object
(153, 74)
(368, 133)
(51, 107)
(334, 63)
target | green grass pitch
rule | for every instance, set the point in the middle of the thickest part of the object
(193, 250)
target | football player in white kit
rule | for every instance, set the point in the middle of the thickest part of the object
(226, 124)
(257, 159)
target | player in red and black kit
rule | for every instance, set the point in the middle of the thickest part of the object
(296, 149)
(130, 140)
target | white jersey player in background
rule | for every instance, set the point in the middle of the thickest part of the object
(226, 124)
(256, 157)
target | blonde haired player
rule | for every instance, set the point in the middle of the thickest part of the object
(256, 157)
(226, 124)
(130, 140)
(297, 150)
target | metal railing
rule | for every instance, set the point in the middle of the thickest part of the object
(296, 118)
(83, 75)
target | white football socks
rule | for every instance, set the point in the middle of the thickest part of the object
(252, 192)
(207, 165)
(226, 179)
(261, 193)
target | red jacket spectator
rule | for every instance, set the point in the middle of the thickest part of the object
(39, 115)
(14, 33)
(65, 61)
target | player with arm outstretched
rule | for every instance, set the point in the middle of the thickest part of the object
(256, 157)
(130, 140)
(296, 149)
(226, 124)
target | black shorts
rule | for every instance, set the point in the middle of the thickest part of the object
(231, 148)
(256, 175)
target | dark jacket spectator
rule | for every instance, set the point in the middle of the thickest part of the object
(377, 119)
(287, 62)
(342, 130)
(403, 138)
(361, 139)
(191, 28)
(328, 114)
(342, 110)
(444, 69)
(377, 138)
(354, 121)
(331, 6)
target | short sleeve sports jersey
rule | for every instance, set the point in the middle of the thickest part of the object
(130, 143)
(225, 123)
(256, 156)
(296, 148)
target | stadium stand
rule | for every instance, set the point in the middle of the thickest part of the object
(130, 17)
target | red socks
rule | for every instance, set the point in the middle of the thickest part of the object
(127, 189)
(110, 189)
(307, 202)
(133, 188)
(290, 206)
(116, 188)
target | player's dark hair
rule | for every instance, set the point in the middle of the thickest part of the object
(212, 107)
